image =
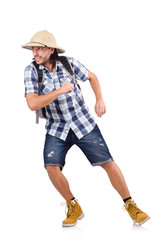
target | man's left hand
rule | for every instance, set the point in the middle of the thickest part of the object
(100, 108)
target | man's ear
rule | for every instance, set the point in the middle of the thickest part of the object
(52, 50)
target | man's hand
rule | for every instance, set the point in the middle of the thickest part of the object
(100, 108)
(66, 88)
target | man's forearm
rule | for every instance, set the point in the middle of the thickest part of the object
(36, 102)
(95, 86)
(100, 108)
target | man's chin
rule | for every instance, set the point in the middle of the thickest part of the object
(38, 61)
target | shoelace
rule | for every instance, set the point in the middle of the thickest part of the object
(126, 205)
(132, 208)
(68, 208)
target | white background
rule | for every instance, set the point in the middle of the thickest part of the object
(118, 40)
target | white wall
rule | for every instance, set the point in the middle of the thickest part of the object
(119, 41)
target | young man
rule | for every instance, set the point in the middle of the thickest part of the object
(69, 122)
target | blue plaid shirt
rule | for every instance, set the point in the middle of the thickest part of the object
(68, 110)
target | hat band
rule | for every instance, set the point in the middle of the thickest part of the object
(39, 43)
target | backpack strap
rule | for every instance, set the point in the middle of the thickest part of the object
(68, 67)
(65, 62)
(39, 72)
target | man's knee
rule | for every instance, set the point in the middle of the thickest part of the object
(52, 169)
(108, 166)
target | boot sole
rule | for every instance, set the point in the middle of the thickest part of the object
(73, 224)
(141, 222)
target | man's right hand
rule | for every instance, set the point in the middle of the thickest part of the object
(36, 101)
(66, 88)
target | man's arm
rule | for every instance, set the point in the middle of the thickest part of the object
(100, 107)
(35, 101)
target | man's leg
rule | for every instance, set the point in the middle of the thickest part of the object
(117, 179)
(59, 181)
(61, 184)
(118, 182)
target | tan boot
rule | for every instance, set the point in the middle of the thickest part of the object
(73, 214)
(135, 213)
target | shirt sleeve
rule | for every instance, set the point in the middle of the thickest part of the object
(79, 69)
(30, 80)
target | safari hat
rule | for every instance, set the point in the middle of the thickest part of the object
(43, 39)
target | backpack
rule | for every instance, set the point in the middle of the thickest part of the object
(41, 113)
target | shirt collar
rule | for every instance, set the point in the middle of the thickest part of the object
(58, 64)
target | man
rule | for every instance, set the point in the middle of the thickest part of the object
(69, 122)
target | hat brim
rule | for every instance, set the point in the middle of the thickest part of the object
(30, 46)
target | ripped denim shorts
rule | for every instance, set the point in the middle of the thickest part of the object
(93, 146)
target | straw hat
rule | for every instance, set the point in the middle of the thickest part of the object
(43, 39)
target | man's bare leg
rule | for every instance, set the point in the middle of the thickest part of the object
(115, 175)
(117, 179)
(59, 181)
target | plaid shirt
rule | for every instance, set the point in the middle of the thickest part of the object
(68, 110)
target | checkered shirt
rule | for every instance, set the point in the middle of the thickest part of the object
(68, 110)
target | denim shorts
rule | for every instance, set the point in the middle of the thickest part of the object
(92, 145)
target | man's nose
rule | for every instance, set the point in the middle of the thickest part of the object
(35, 52)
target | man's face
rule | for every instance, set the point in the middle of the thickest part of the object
(42, 54)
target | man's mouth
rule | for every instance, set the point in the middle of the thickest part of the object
(38, 58)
